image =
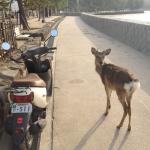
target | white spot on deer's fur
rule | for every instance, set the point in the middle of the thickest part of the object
(133, 85)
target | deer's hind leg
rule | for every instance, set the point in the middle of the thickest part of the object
(108, 94)
(128, 98)
(121, 97)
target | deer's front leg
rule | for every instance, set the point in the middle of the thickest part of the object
(108, 94)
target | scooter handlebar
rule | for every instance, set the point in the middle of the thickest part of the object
(52, 48)
(29, 54)
(40, 51)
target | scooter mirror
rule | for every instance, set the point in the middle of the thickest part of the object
(54, 32)
(5, 46)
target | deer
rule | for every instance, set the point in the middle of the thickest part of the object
(118, 79)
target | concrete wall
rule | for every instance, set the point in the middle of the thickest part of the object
(133, 34)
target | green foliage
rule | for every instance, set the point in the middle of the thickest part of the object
(91, 5)
(62, 4)
(46, 3)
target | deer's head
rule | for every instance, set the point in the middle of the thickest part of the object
(100, 56)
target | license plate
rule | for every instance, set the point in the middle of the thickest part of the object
(21, 108)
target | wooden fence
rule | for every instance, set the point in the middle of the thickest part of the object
(7, 34)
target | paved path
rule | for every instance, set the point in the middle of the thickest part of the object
(79, 97)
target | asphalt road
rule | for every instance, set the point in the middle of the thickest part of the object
(79, 96)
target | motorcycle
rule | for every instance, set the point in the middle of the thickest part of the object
(28, 96)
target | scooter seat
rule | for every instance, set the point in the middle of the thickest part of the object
(31, 80)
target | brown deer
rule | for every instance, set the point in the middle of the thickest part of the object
(118, 79)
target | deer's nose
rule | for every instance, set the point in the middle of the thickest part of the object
(101, 62)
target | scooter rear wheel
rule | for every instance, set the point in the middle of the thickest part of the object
(25, 145)
(22, 146)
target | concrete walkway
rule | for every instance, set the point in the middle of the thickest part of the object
(79, 97)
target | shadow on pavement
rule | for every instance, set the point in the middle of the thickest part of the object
(115, 137)
(123, 140)
(90, 133)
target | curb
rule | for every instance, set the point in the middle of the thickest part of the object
(46, 143)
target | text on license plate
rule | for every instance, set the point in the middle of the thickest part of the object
(21, 108)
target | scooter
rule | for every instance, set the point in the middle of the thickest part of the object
(28, 97)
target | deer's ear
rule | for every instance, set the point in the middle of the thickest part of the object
(93, 50)
(107, 51)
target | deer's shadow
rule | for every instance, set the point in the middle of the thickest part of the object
(115, 137)
(90, 132)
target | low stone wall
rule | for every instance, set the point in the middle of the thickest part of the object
(119, 12)
(133, 34)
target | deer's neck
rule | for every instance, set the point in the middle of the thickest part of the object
(99, 68)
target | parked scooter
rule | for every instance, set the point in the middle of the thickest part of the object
(28, 97)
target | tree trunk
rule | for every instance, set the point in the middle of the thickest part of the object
(43, 15)
(50, 12)
(33, 11)
(56, 11)
(56, 7)
(39, 13)
(23, 18)
(46, 12)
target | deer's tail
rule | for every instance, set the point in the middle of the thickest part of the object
(132, 86)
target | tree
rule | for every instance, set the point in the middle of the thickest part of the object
(4, 6)
(41, 6)
(22, 14)
(45, 6)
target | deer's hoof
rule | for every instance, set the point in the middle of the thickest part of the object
(118, 127)
(106, 113)
(129, 129)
